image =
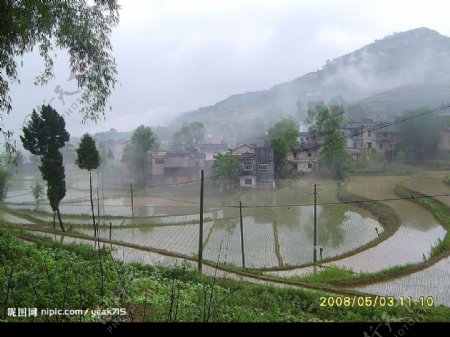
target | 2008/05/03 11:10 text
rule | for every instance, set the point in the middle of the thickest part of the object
(374, 301)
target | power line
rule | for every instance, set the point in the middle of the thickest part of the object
(337, 202)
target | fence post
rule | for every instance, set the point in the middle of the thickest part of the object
(242, 234)
(200, 237)
(98, 209)
(132, 206)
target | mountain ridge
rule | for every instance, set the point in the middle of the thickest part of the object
(418, 57)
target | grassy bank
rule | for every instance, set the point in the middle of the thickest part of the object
(51, 275)
(345, 277)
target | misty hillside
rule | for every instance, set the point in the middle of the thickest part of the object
(397, 73)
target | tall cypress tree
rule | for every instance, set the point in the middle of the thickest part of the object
(88, 158)
(43, 136)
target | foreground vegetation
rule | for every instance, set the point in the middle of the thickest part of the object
(51, 275)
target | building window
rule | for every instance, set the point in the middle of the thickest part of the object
(247, 181)
(381, 146)
(263, 167)
(295, 155)
(369, 145)
(309, 154)
(369, 133)
(159, 161)
(309, 165)
(355, 145)
(248, 167)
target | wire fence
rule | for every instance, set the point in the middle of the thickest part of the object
(270, 241)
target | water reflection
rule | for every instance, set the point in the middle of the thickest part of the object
(339, 230)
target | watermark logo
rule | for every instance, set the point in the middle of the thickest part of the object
(65, 97)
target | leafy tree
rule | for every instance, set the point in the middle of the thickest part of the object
(37, 190)
(11, 160)
(81, 27)
(189, 135)
(4, 179)
(282, 136)
(137, 151)
(325, 129)
(225, 169)
(52, 170)
(43, 136)
(88, 159)
(419, 136)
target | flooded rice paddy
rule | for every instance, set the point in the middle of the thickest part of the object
(418, 231)
(273, 236)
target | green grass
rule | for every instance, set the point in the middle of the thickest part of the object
(49, 274)
(345, 276)
(325, 275)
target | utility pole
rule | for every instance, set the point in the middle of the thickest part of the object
(200, 237)
(103, 195)
(98, 209)
(242, 234)
(132, 206)
(315, 227)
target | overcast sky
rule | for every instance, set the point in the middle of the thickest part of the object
(176, 56)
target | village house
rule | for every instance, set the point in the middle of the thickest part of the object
(256, 168)
(176, 167)
(304, 157)
(211, 149)
(366, 137)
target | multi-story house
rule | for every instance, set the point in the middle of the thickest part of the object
(177, 167)
(304, 158)
(367, 137)
(257, 166)
(385, 141)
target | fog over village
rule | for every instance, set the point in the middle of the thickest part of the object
(235, 161)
